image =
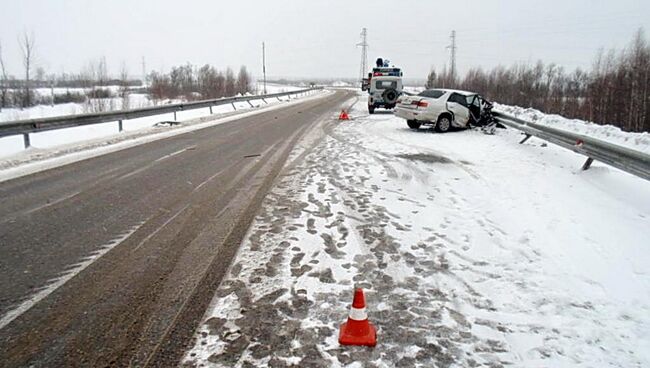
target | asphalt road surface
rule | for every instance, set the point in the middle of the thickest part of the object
(111, 261)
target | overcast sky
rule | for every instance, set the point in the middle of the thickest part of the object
(314, 38)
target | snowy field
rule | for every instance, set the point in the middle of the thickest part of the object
(64, 146)
(473, 250)
(13, 145)
(136, 100)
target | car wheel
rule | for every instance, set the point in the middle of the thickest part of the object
(444, 124)
(371, 109)
(413, 124)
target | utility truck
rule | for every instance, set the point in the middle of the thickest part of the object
(384, 85)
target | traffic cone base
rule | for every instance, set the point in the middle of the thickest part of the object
(358, 330)
(344, 115)
(361, 333)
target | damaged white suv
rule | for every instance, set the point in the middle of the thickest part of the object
(444, 109)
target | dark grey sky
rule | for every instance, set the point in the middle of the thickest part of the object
(314, 38)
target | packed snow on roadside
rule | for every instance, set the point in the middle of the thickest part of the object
(473, 250)
(609, 133)
(136, 100)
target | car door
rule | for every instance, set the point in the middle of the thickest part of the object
(456, 104)
(474, 105)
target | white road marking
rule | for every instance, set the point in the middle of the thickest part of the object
(70, 272)
(160, 227)
(173, 154)
(154, 162)
(52, 203)
(209, 179)
(136, 171)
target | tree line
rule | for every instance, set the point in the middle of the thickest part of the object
(206, 82)
(185, 82)
(615, 91)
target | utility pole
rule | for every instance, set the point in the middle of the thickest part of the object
(144, 73)
(264, 65)
(453, 55)
(364, 55)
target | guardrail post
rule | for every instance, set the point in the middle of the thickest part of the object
(279, 98)
(119, 125)
(26, 140)
(525, 138)
(587, 163)
(233, 105)
(210, 110)
(174, 115)
(249, 102)
(265, 101)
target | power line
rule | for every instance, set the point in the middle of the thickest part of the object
(364, 54)
(144, 72)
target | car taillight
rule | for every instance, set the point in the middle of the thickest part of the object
(377, 74)
(423, 104)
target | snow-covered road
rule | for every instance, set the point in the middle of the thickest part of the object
(473, 251)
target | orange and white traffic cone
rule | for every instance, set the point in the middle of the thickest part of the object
(358, 330)
(344, 115)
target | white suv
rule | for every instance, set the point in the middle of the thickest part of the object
(384, 87)
(444, 109)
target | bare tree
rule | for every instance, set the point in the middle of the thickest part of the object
(27, 46)
(432, 79)
(243, 81)
(124, 86)
(230, 83)
(3, 82)
(94, 79)
(615, 91)
(190, 82)
(40, 74)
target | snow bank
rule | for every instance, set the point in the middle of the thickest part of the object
(609, 133)
(340, 84)
(136, 100)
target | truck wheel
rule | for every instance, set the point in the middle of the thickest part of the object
(371, 109)
(444, 124)
(413, 124)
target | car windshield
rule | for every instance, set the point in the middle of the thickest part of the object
(431, 93)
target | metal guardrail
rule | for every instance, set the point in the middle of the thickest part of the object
(631, 161)
(25, 127)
